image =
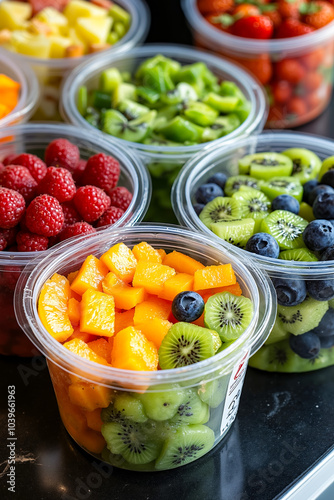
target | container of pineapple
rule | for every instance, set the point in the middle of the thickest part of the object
(52, 40)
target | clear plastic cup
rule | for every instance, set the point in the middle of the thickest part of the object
(33, 138)
(218, 380)
(312, 58)
(164, 162)
(29, 90)
(276, 354)
(50, 72)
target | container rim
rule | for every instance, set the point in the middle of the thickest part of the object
(249, 45)
(256, 94)
(186, 215)
(30, 282)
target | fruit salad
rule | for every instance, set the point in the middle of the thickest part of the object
(140, 309)
(9, 95)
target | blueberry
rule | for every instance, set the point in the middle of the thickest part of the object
(326, 325)
(187, 306)
(327, 342)
(289, 292)
(321, 290)
(208, 192)
(306, 345)
(323, 206)
(328, 178)
(219, 178)
(285, 202)
(321, 188)
(319, 235)
(263, 244)
(307, 188)
(198, 207)
(328, 254)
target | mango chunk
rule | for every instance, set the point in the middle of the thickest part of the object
(235, 289)
(214, 276)
(123, 320)
(94, 419)
(86, 337)
(178, 283)
(152, 276)
(89, 396)
(132, 351)
(79, 347)
(110, 281)
(90, 275)
(102, 348)
(162, 253)
(144, 251)
(120, 260)
(155, 330)
(97, 313)
(73, 311)
(152, 308)
(127, 297)
(182, 263)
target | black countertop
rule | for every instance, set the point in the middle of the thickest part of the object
(284, 427)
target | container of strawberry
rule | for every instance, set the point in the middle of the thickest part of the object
(153, 381)
(287, 45)
(57, 182)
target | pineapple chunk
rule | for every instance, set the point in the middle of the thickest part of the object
(94, 29)
(31, 45)
(81, 8)
(53, 17)
(14, 14)
(77, 39)
(59, 45)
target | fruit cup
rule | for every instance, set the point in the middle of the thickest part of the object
(33, 138)
(50, 71)
(163, 161)
(90, 394)
(296, 72)
(293, 319)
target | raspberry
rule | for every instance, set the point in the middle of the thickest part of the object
(19, 179)
(70, 214)
(62, 153)
(3, 242)
(9, 235)
(76, 229)
(44, 216)
(110, 216)
(12, 206)
(8, 160)
(91, 202)
(101, 171)
(35, 165)
(79, 170)
(30, 242)
(120, 197)
(58, 182)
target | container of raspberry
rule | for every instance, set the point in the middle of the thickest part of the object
(146, 404)
(295, 64)
(302, 339)
(59, 220)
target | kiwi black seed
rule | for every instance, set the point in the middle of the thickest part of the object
(221, 208)
(266, 165)
(303, 317)
(234, 183)
(287, 229)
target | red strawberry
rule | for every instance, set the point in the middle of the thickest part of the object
(318, 14)
(289, 8)
(290, 70)
(29, 242)
(35, 165)
(58, 182)
(109, 217)
(62, 153)
(297, 106)
(76, 229)
(260, 66)
(214, 6)
(19, 179)
(274, 16)
(246, 10)
(12, 207)
(259, 27)
(292, 27)
(38, 5)
(101, 171)
(91, 202)
(44, 216)
(281, 91)
(120, 197)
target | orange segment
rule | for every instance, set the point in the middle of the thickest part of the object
(151, 276)
(132, 351)
(52, 307)
(97, 313)
(102, 348)
(123, 320)
(152, 308)
(155, 330)
(214, 276)
(182, 263)
(73, 311)
(181, 282)
(235, 289)
(90, 276)
(79, 347)
(94, 419)
(89, 396)
(120, 260)
(144, 251)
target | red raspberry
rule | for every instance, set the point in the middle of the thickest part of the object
(71, 215)
(120, 197)
(44, 216)
(79, 170)
(91, 202)
(58, 182)
(9, 235)
(110, 216)
(35, 165)
(3, 242)
(12, 206)
(76, 229)
(19, 179)
(259, 27)
(30, 242)
(293, 27)
(62, 153)
(101, 171)
(8, 160)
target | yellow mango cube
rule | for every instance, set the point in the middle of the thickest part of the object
(79, 347)
(152, 276)
(144, 251)
(155, 330)
(127, 297)
(182, 263)
(178, 283)
(97, 313)
(132, 351)
(214, 276)
(90, 276)
(93, 29)
(89, 396)
(151, 309)
(73, 311)
(120, 260)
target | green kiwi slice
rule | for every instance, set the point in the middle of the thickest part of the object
(132, 110)
(192, 410)
(116, 124)
(298, 255)
(129, 407)
(327, 164)
(303, 317)
(277, 334)
(266, 165)
(282, 185)
(187, 444)
(253, 204)
(185, 344)
(200, 113)
(123, 91)
(220, 209)
(306, 164)
(234, 183)
(306, 211)
(228, 314)
(213, 392)
(235, 231)
(163, 402)
(224, 125)
(287, 229)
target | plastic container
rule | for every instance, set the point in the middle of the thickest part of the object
(33, 138)
(164, 163)
(29, 94)
(219, 379)
(276, 355)
(312, 58)
(50, 72)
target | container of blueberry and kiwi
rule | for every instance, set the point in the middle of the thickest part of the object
(271, 197)
(161, 417)
(166, 103)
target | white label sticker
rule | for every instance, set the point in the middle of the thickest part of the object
(233, 393)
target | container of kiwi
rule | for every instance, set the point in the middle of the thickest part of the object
(273, 204)
(166, 103)
(152, 420)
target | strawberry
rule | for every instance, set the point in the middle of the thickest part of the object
(297, 106)
(214, 6)
(273, 15)
(260, 66)
(292, 27)
(317, 14)
(289, 8)
(38, 5)
(312, 60)
(281, 91)
(290, 70)
(259, 27)
(246, 10)
(312, 81)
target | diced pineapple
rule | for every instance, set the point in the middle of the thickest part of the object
(59, 45)
(81, 8)
(31, 45)
(53, 17)
(13, 14)
(77, 39)
(94, 29)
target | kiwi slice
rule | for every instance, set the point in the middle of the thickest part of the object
(192, 410)
(116, 124)
(213, 392)
(185, 344)
(187, 444)
(163, 403)
(298, 255)
(306, 212)
(182, 93)
(224, 125)
(234, 183)
(265, 165)
(327, 164)
(129, 407)
(277, 334)
(220, 209)
(200, 113)
(123, 91)
(306, 164)
(287, 228)
(282, 185)
(132, 110)
(303, 317)
(229, 315)
(253, 204)
(180, 130)
(235, 231)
